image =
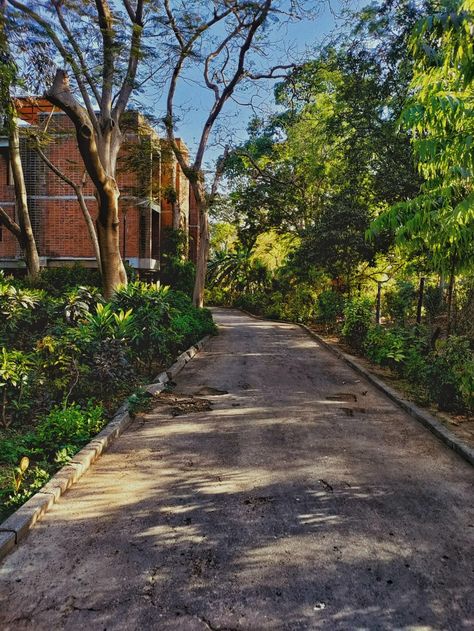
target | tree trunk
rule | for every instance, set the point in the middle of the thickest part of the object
(108, 234)
(90, 226)
(419, 306)
(378, 303)
(203, 249)
(99, 150)
(452, 280)
(28, 242)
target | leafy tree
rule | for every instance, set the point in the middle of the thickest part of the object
(22, 230)
(224, 42)
(99, 46)
(440, 220)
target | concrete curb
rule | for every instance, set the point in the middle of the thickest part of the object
(422, 416)
(16, 527)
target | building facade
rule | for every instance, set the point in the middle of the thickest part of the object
(154, 193)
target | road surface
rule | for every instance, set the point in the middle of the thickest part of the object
(303, 499)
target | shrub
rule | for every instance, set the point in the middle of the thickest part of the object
(217, 296)
(59, 368)
(433, 302)
(68, 426)
(178, 274)
(400, 302)
(330, 307)
(139, 295)
(297, 305)
(15, 373)
(387, 346)
(451, 375)
(58, 280)
(256, 302)
(24, 315)
(358, 313)
(80, 301)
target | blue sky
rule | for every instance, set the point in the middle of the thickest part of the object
(302, 37)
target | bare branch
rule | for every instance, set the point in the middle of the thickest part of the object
(260, 171)
(210, 84)
(78, 189)
(65, 54)
(134, 54)
(10, 224)
(73, 42)
(271, 73)
(54, 168)
(107, 32)
(130, 11)
(174, 25)
(60, 94)
(261, 16)
(218, 173)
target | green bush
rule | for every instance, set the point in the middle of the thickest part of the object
(358, 315)
(297, 305)
(400, 302)
(256, 302)
(15, 379)
(451, 375)
(178, 274)
(68, 426)
(330, 307)
(433, 302)
(80, 301)
(217, 296)
(58, 280)
(24, 315)
(384, 346)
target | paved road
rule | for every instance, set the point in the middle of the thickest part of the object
(303, 500)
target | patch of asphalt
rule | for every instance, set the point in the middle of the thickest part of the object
(17, 526)
(425, 418)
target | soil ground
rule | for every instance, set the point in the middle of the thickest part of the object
(274, 489)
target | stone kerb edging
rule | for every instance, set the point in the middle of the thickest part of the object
(424, 417)
(16, 527)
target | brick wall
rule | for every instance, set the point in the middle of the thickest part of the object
(57, 220)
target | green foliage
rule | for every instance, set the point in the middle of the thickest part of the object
(238, 270)
(400, 301)
(298, 304)
(15, 372)
(178, 274)
(358, 315)
(387, 347)
(68, 426)
(451, 375)
(330, 306)
(80, 302)
(57, 280)
(78, 363)
(433, 302)
(438, 116)
(139, 401)
(106, 323)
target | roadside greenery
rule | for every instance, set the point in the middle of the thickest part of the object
(68, 358)
(365, 171)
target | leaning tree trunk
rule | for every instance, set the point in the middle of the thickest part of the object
(99, 149)
(28, 242)
(203, 248)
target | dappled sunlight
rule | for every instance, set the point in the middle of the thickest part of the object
(273, 505)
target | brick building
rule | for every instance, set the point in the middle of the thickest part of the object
(155, 194)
